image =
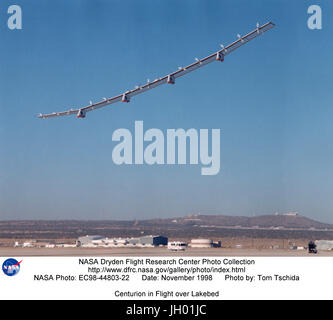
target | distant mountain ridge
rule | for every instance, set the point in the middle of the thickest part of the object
(280, 226)
(290, 220)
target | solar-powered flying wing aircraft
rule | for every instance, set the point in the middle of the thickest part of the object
(170, 78)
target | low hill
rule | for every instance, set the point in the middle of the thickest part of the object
(289, 221)
(191, 226)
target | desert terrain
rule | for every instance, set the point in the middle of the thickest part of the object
(269, 235)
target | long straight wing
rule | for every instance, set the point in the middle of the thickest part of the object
(170, 78)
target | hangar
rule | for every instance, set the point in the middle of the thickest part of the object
(97, 240)
(149, 240)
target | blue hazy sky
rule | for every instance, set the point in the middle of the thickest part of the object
(272, 100)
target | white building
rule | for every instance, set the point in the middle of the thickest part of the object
(100, 241)
(201, 243)
(324, 244)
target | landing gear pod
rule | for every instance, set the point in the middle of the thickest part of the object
(125, 98)
(81, 114)
(171, 79)
(219, 56)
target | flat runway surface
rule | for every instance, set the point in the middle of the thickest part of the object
(162, 252)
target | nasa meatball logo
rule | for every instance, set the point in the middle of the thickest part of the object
(11, 267)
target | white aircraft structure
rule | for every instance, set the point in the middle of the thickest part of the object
(170, 78)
